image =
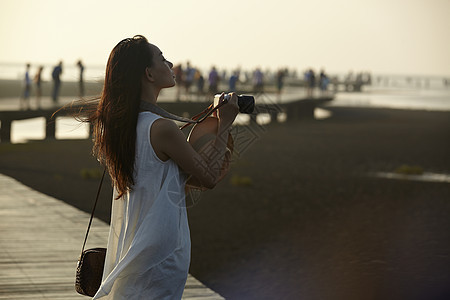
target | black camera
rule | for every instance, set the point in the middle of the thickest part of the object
(246, 103)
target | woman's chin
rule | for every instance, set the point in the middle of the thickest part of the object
(169, 85)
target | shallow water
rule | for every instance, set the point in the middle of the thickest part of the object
(34, 129)
(427, 176)
(403, 98)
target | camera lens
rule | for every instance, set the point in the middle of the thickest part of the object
(246, 104)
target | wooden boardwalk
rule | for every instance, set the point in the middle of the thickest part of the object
(40, 241)
(298, 109)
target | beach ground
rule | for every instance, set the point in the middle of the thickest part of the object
(300, 215)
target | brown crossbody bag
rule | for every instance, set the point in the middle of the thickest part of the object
(91, 261)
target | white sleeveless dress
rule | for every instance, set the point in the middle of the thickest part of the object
(148, 252)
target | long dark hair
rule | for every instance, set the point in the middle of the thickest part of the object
(115, 118)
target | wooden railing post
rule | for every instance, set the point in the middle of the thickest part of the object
(5, 131)
(50, 128)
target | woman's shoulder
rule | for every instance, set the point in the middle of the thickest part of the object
(159, 125)
(164, 135)
(164, 127)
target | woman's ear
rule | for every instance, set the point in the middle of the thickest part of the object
(148, 74)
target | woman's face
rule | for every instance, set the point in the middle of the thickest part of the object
(161, 69)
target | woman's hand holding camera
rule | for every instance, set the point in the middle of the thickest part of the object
(228, 111)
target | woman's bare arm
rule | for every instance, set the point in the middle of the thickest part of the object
(169, 142)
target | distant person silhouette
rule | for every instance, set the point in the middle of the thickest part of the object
(258, 82)
(178, 71)
(280, 82)
(232, 82)
(189, 75)
(80, 81)
(323, 82)
(213, 80)
(310, 82)
(200, 83)
(25, 99)
(38, 82)
(56, 76)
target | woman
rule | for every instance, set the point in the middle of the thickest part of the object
(148, 158)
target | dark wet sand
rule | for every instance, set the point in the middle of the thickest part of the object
(313, 224)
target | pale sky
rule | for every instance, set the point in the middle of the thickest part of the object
(381, 36)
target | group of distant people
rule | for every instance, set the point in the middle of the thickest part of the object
(56, 78)
(188, 76)
(310, 80)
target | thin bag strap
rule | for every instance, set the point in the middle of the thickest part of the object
(93, 209)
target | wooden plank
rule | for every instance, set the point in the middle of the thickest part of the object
(40, 241)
